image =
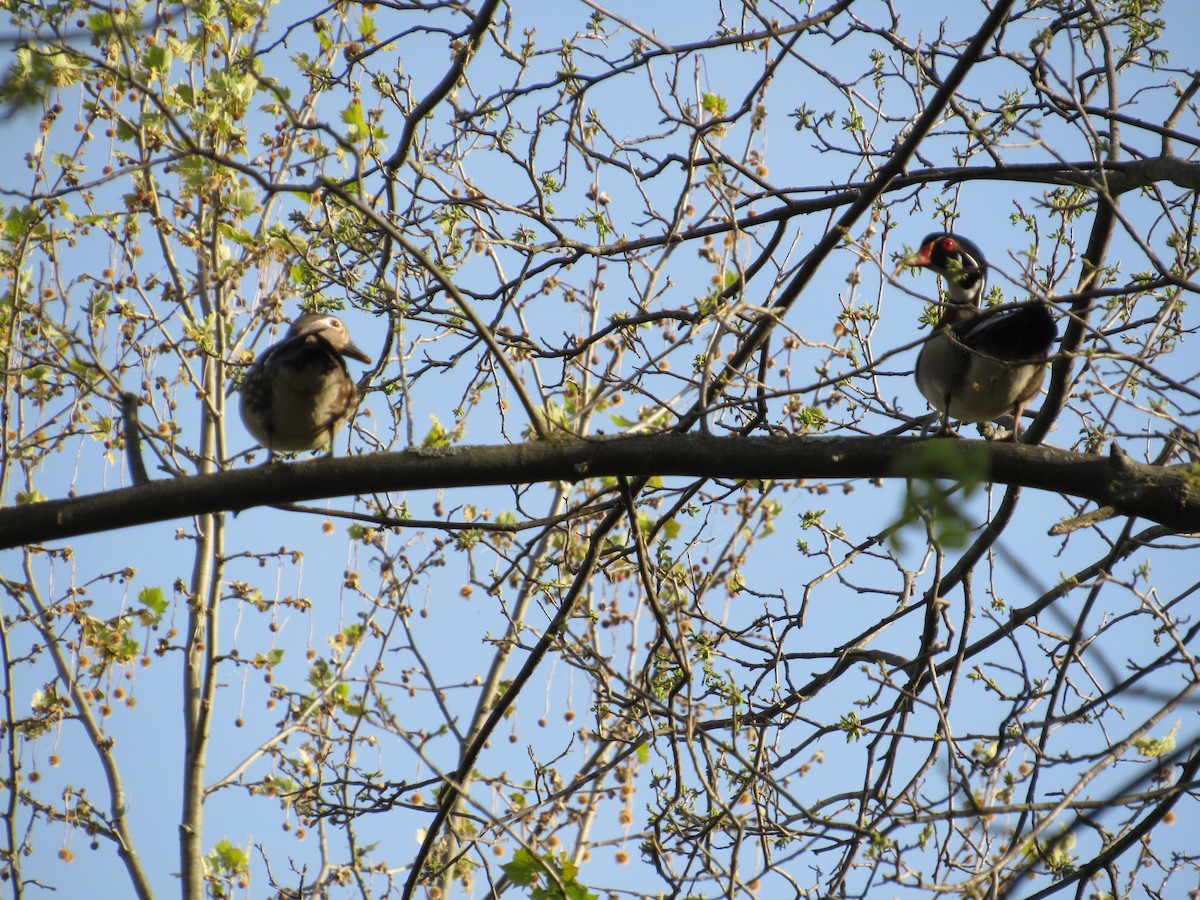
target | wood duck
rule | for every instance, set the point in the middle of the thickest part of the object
(979, 365)
(299, 392)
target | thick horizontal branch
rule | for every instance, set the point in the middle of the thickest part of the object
(1164, 494)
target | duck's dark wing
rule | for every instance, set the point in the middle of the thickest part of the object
(304, 352)
(1026, 332)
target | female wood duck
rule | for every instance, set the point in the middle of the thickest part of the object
(979, 365)
(299, 392)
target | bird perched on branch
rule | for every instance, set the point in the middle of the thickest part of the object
(299, 392)
(979, 364)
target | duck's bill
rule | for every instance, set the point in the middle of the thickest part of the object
(919, 259)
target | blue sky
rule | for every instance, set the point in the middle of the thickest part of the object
(454, 633)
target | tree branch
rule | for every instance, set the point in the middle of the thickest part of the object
(1168, 495)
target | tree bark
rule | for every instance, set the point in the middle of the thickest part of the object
(1167, 495)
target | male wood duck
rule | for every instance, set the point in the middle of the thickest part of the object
(979, 365)
(299, 392)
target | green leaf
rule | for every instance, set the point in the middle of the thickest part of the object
(524, 868)
(245, 200)
(437, 436)
(948, 459)
(100, 24)
(1055, 851)
(153, 599)
(238, 235)
(184, 96)
(1148, 746)
(19, 221)
(356, 119)
(269, 659)
(929, 502)
(852, 727)
(156, 59)
(714, 104)
(228, 858)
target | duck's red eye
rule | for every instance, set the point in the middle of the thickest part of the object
(949, 245)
